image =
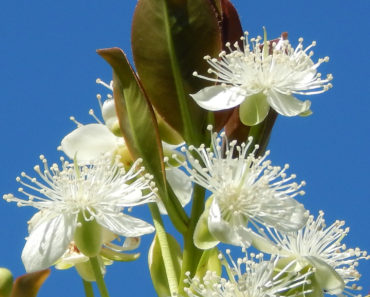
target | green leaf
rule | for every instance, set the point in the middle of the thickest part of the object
(209, 262)
(29, 284)
(139, 126)
(169, 40)
(136, 116)
(254, 109)
(156, 264)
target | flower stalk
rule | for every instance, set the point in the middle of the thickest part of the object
(99, 277)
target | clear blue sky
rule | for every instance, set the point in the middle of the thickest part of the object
(48, 68)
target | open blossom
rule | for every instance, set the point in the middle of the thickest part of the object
(244, 188)
(319, 246)
(89, 141)
(250, 277)
(255, 79)
(69, 196)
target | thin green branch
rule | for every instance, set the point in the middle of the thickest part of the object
(192, 254)
(89, 292)
(165, 249)
(99, 277)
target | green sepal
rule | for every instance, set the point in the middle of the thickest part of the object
(6, 282)
(202, 237)
(326, 276)
(85, 271)
(254, 109)
(169, 40)
(88, 236)
(314, 287)
(156, 264)
(209, 262)
(306, 113)
(118, 256)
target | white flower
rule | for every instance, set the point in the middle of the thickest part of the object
(320, 246)
(256, 80)
(98, 192)
(244, 189)
(249, 278)
(87, 142)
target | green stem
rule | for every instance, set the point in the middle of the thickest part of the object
(99, 277)
(89, 292)
(261, 132)
(192, 254)
(187, 119)
(165, 249)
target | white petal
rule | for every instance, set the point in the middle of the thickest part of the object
(222, 230)
(293, 215)
(180, 184)
(264, 245)
(287, 105)
(109, 113)
(219, 97)
(125, 225)
(47, 242)
(89, 142)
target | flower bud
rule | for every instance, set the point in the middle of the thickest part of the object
(125, 156)
(88, 236)
(110, 117)
(6, 282)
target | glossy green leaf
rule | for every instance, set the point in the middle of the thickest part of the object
(139, 126)
(209, 262)
(156, 264)
(254, 109)
(169, 40)
(29, 284)
(136, 115)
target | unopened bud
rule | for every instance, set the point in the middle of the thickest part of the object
(6, 282)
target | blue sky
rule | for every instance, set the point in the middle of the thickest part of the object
(48, 68)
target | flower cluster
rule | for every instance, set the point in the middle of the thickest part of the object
(152, 147)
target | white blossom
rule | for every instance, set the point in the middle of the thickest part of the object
(321, 247)
(249, 277)
(244, 188)
(99, 192)
(255, 80)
